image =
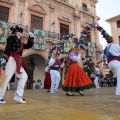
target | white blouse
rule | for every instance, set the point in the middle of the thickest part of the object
(76, 58)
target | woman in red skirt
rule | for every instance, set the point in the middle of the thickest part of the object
(76, 79)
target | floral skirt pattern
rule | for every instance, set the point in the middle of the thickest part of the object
(76, 79)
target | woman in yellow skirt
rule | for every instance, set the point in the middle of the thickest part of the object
(76, 79)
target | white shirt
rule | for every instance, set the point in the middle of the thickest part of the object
(97, 71)
(52, 61)
(76, 58)
(114, 49)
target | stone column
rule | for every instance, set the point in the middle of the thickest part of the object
(76, 22)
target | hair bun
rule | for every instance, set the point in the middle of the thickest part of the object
(12, 28)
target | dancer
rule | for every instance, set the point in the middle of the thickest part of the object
(97, 76)
(92, 76)
(12, 58)
(47, 81)
(76, 79)
(112, 52)
(54, 65)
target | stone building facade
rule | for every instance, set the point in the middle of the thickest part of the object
(115, 28)
(56, 18)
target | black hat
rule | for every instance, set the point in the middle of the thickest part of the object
(16, 29)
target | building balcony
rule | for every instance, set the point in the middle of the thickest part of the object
(8, 1)
(50, 36)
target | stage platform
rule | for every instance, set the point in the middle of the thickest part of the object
(101, 104)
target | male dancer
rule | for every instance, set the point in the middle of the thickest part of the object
(97, 76)
(112, 52)
(12, 58)
(54, 65)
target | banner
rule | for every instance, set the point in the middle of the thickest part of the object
(91, 49)
(67, 44)
(3, 31)
(40, 39)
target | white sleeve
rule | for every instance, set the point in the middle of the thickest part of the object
(62, 65)
(76, 58)
(46, 69)
(115, 50)
(97, 70)
(118, 48)
(51, 62)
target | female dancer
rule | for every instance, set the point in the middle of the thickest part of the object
(76, 79)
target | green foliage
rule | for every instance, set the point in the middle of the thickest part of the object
(29, 70)
(1, 55)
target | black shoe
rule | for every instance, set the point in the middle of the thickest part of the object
(80, 93)
(69, 94)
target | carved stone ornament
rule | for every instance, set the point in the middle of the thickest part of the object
(51, 6)
(22, 0)
(64, 17)
(38, 0)
(76, 14)
(37, 8)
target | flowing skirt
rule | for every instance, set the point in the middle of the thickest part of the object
(76, 79)
(47, 82)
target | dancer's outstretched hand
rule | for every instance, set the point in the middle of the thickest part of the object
(31, 34)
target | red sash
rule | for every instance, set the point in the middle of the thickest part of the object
(111, 59)
(19, 60)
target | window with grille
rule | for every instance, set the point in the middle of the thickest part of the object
(36, 22)
(119, 40)
(88, 38)
(4, 13)
(84, 7)
(64, 29)
(118, 23)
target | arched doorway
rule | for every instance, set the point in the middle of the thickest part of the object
(38, 65)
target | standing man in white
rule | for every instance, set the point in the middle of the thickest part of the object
(112, 52)
(97, 75)
(54, 65)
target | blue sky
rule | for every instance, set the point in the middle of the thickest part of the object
(106, 9)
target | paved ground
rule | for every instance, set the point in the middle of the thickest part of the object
(101, 104)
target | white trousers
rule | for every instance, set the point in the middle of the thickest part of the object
(10, 69)
(55, 79)
(115, 68)
(96, 82)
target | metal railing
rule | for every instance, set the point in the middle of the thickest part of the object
(10, 1)
(52, 35)
(26, 29)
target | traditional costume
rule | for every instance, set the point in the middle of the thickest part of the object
(97, 76)
(112, 52)
(14, 60)
(76, 79)
(54, 65)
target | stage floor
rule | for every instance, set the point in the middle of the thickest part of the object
(101, 104)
